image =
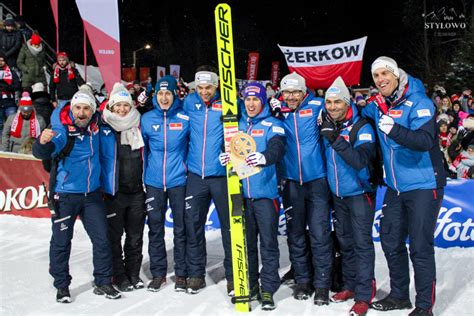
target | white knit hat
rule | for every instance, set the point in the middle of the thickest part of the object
(338, 90)
(119, 94)
(293, 81)
(83, 96)
(386, 63)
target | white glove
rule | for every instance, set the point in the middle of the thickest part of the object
(142, 97)
(275, 104)
(319, 120)
(224, 159)
(386, 124)
(255, 159)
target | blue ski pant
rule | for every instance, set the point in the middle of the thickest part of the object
(353, 220)
(307, 205)
(157, 204)
(199, 193)
(261, 223)
(91, 210)
(411, 214)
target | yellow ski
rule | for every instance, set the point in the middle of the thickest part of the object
(228, 91)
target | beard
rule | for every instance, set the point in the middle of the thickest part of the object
(82, 122)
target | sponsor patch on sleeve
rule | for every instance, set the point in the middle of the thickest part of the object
(365, 137)
(182, 116)
(316, 102)
(423, 113)
(278, 130)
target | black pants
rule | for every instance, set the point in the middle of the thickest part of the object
(126, 213)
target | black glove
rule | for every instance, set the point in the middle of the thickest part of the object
(329, 130)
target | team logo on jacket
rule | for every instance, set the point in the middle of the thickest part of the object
(216, 106)
(198, 105)
(395, 113)
(155, 127)
(176, 126)
(257, 132)
(306, 113)
(107, 132)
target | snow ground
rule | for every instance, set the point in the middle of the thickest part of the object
(26, 287)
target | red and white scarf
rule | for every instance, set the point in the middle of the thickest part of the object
(6, 75)
(70, 73)
(17, 124)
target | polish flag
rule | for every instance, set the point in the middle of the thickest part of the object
(321, 65)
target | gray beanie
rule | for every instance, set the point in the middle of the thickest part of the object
(338, 90)
(206, 77)
(293, 81)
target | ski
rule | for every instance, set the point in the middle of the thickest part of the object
(228, 91)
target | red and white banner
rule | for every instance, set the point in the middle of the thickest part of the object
(101, 21)
(160, 72)
(21, 186)
(321, 65)
(252, 66)
(174, 71)
(275, 75)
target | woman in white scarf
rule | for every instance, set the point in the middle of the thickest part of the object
(122, 116)
(122, 180)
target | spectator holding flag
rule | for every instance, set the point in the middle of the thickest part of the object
(408, 136)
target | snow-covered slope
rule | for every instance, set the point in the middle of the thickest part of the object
(26, 287)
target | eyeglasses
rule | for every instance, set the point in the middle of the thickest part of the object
(295, 93)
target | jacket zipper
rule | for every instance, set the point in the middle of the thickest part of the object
(335, 173)
(298, 148)
(164, 157)
(89, 162)
(204, 143)
(249, 131)
(391, 166)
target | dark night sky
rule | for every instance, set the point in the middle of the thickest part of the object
(184, 33)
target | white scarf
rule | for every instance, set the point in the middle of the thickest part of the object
(127, 125)
(34, 50)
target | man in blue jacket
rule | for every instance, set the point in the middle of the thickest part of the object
(261, 192)
(77, 193)
(206, 178)
(349, 144)
(165, 131)
(405, 117)
(306, 193)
